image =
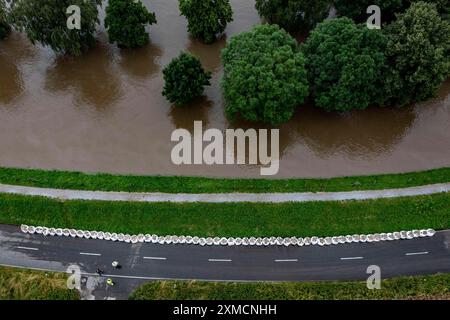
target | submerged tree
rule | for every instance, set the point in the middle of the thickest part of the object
(185, 79)
(346, 64)
(419, 54)
(294, 15)
(206, 18)
(264, 75)
(45, 21)
(125, 22)
(4, 26)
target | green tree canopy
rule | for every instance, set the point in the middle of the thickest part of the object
(125, 22)
(45, 21)
(184, 79)
(356, 9)
(346, 63)
(419, 54)
(4, 26)
(294, 15)
(264, 75)
(206, 18)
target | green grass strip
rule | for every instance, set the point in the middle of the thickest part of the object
(107, 182)
(417, 287)
(24, 284)
(232, 219)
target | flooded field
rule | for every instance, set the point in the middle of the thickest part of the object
(104, 112)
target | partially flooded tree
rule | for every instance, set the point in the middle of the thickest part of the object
(45, 22)
(419, 54)
(4, 26)
(206, 18)
(294, 15)
(126, 21)
(346, 64)
(265, 77)
(185, 79)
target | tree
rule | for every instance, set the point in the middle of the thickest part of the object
(206, 18)
(264, 75)
(184, 79)
(346, 64)
(4, 26)
(294, 15)
(125, 22)
(442, 6)
(356, 9)
(45, 21)
(419, 53)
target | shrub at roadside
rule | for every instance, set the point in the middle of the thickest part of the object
(184, 79)
(45, 21)
(4, 26)
(23, 284)
(416, 287)
(125, 22)
(264, 75)
(346, 64)
(294, 15)
(206, 18)
(419, 54)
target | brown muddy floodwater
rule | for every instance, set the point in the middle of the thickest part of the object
(104, 112)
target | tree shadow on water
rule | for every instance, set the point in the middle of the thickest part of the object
(15, 50)
(209, 54)
(196, 110)
(358, 134)
(91, 78)
(140, 63)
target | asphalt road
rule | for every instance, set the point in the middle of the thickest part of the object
(145, 261)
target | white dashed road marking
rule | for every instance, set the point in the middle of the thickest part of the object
(286, 260)
(415, 253)
(155, 258)
(352, 258)
(89, 254)
(219, 260)
(28, 248)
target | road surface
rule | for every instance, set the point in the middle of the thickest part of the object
(145, 261)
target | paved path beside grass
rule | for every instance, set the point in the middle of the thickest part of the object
(224, 197)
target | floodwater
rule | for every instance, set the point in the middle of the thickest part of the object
(104, 112)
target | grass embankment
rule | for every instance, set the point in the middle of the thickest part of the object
(232, 219)
(23, 284)
(417, 287)
(107, 182)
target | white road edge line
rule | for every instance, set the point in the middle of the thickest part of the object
(27, 248)
(155, 258)
(219, 260)
(90, 254)
(352, 258)
(415, 253)
(286, 260)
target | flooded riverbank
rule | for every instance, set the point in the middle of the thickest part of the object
(104, 112)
